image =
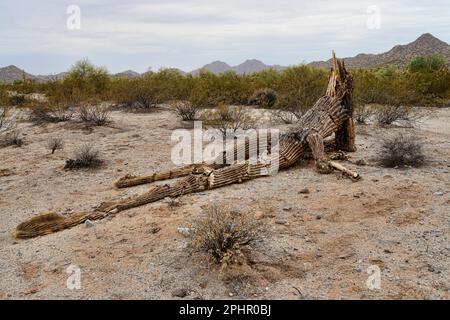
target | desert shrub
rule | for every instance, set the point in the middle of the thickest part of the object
(185, 110)
(98, 115)
(362, 113)
(140, 93)
(223, 233)
(9, 134)
(228, 120)
(4, 118)
(210, 89)
(153, 88)
(429, 87)
(85, 157)
(264, 98)
(11, 138)
(299, 89)
(269, 78)
(17, 99)
(42, 112)
(4, 97)
(430, 63)
(54, 144)
(86, 81)
(388, 114)
(401, 151)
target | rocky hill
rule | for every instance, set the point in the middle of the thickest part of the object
(399, 55)
(12, 73)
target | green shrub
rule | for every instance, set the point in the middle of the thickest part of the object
(264, 98)
(425, 64)
(86, 81)
(300, 87)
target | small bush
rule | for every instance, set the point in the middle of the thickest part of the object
(186, 111)
(389, 114)
(222, 233)
(4, 119)
(42, 113)
(17, 100)
(228, 120)
(428, 63)
(401, 151)
(362, 114)
(264, 98)
(55, 144)
(11, 138)
(85, 157)
(95, 114)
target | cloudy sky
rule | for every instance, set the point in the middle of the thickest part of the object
(187, 34)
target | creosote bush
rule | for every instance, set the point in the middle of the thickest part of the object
(54, 144)
(95, 114)
(222, 233)
(264, 98)
(11, 138)
(185, 110)
(362, 113)
(228, 120)
(388, 114)
(42, 113)
(5, 122)
(85, 157)
(401, 151)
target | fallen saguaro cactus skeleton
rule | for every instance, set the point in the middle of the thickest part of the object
(331, 114)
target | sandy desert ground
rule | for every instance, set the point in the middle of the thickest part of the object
(317, 245)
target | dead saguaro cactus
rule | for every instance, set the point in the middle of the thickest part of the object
(332, 114)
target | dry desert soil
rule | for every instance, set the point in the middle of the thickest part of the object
(317, 244)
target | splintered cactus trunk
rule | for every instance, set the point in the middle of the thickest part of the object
(332, 114)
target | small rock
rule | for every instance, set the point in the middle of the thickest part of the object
(153, 230)
(131, 214)
(287, 209)
(361, 162)
(304, 191)
(231, 294)
(180, 293)
(259, 215)
(438, 193)
(185, 231)
(282, 222)
(89, 224)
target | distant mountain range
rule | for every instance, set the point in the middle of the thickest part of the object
(398, 56)
(247, 67)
